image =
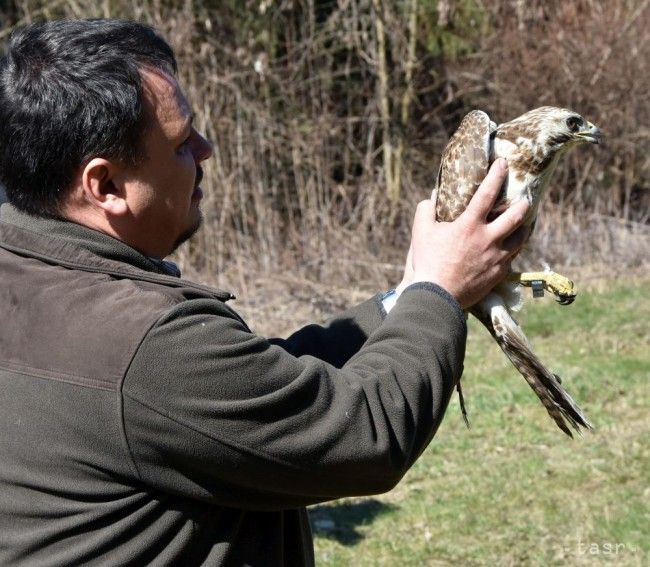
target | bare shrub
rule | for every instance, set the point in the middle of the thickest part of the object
(302, 99)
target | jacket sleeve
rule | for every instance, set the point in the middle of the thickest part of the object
(213, 412)
(338, 340)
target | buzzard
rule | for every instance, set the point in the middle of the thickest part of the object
(532, 144)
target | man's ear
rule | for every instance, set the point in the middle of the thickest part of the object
(101, 187)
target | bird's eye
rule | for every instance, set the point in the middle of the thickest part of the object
(574, 123)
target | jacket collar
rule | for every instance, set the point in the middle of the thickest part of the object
(72, 245)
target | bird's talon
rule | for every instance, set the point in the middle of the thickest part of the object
(561, 287)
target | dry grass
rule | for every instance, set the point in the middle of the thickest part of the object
(302, 106)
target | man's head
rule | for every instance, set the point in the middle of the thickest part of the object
(94, 128)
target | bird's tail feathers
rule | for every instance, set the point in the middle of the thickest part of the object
(508, 334)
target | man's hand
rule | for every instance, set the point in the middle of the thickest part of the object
(470, 255)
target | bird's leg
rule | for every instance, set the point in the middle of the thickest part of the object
(561, 287)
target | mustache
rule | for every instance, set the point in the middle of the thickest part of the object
(199, 176)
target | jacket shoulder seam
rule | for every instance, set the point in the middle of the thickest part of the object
(45, 374)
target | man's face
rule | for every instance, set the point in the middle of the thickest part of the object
(164, 191)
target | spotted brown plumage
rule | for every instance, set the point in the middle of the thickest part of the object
(532, 144)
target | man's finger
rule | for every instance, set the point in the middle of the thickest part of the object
(434, 200)
(511, 219)
(487, 192)
(426, 210)
(514, 243)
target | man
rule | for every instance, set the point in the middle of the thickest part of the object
(143, 423)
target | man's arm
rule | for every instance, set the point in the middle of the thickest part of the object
(340, 338)
(216, 413)
(219, 414)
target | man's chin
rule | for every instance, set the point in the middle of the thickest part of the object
(190, 232)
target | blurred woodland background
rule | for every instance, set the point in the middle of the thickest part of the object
(328, 118)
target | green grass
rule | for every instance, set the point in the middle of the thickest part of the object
(514, 490)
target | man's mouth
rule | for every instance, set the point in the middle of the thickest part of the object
(197, 194)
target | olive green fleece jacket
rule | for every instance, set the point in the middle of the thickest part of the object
(143, 423)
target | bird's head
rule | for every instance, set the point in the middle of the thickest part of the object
(557, 129)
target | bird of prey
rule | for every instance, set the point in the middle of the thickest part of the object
(532, 144)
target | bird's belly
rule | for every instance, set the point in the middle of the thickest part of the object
(516, 189)
(519, 185)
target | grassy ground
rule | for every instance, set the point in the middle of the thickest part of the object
(514, 490)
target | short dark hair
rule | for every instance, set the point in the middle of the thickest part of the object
(71, 90)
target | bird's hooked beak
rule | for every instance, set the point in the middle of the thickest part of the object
(591, 134)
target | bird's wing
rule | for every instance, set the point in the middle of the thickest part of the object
(494, 315)
(464, 164)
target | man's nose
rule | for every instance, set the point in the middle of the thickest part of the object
(202, 148)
